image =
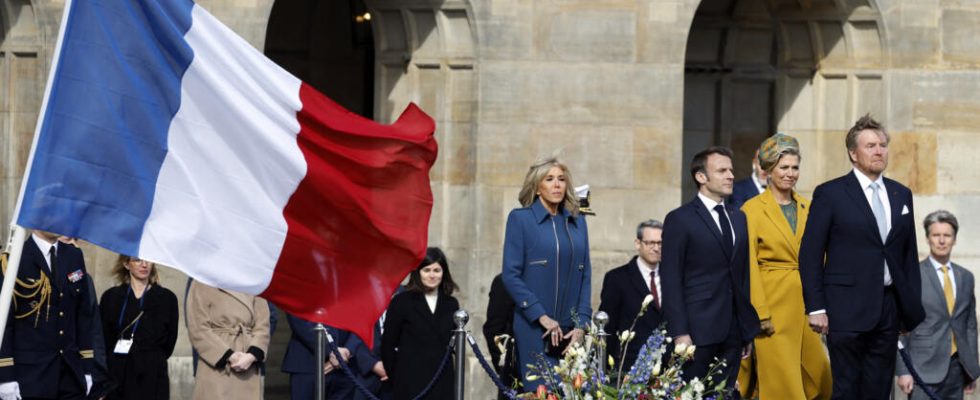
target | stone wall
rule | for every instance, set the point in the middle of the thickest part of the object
(601, 85)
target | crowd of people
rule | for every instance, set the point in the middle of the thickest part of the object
(800, 299)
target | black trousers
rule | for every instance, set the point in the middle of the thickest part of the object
(729, 350)
(69, 388)
(863, 363)
(951, 387)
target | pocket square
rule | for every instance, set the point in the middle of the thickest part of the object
(905, 209)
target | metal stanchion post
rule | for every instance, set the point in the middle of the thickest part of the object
(600, 320)
(321, 356)
(460, 317)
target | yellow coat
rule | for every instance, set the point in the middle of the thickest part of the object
(792, 363)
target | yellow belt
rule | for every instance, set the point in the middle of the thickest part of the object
(779, 267)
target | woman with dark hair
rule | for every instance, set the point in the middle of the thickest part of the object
(139, 321)
(418, 326)
(546, 267)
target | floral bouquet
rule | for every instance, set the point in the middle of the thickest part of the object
(580, 374)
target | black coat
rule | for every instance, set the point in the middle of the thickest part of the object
(623, 291)
(414, 343)
(141, 374)
(35, 345)
(500, 321)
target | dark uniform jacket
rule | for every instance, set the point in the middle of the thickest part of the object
(50, 323)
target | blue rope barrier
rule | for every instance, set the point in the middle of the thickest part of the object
(508, 392)
(907, 359)
(367, 392)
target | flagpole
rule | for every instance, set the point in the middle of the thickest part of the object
(15, 242)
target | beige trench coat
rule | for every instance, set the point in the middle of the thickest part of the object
(219, 320)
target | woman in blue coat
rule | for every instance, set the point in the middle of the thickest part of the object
(546, 267)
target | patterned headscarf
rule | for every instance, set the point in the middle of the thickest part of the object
(775, 147)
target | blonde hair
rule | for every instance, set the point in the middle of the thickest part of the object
(537, 173)
(121, 274)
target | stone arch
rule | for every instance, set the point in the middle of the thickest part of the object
(807, 67)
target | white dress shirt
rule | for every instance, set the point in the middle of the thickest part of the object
(865, 183)
(45, 248)
(939, 272)
(647, 271)
(714, 214)
(758, 183)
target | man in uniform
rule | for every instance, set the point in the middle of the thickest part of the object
(47, 344)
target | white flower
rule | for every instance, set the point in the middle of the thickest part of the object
(697, 386)
(680, 349)
(533, 378)
(690, 350)
(656, 369)
(624, 336)
(687, 396)
(646, 301)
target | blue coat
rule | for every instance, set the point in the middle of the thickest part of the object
(300, 360)
(743, 191)
(534, 243)
(842, 256)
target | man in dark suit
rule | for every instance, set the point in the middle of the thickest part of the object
(704, 272)
(861, 283)
(943, 347)
(750, 187)
(47, 346)
(623, 291)
(301, 364)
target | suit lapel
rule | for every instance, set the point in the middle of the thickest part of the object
(962, 296)
(639, 281)
(775, 214)
(933, 278)
(896, 204)
(853, 189)
(738, 226)
(709, 222)
(37, 260)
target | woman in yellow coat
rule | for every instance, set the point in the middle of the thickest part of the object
(791, 361)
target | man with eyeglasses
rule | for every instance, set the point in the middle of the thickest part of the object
(623, 291)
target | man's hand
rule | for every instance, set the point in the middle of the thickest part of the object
(819, 323)
(970, 387)
(379, 370)
(241, 363)
(906, 383)
(9, 391)
(683, 339)
(332, 363)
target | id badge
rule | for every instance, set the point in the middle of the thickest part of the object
(122, 346)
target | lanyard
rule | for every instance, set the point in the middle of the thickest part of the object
(122, 313)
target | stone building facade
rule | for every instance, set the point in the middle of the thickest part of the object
(625, 91)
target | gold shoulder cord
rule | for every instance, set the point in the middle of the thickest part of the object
(42, 287)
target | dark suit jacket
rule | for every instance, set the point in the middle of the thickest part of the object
(500, 320)
(929, 343)
(743, 190)
(414, 343)
(703, 287)
(300, 355)
(842, 256)
(623, 291)
(36, 344)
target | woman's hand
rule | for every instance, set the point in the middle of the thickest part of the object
(241, 363)
(550, 328)
(576, 336)
(765, 328)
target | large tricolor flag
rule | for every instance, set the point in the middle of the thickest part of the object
(165, 135)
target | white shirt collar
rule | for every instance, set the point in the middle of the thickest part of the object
(758, 183)
(43, 244)
(864, 181)
(709, 202)
(936, 265)
(645, 268)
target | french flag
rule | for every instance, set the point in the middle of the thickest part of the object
(166, 136)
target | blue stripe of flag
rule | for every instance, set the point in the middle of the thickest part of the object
(104, 135)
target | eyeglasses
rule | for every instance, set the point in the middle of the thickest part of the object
(651, 243)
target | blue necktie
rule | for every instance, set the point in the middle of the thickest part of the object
(878, 208)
